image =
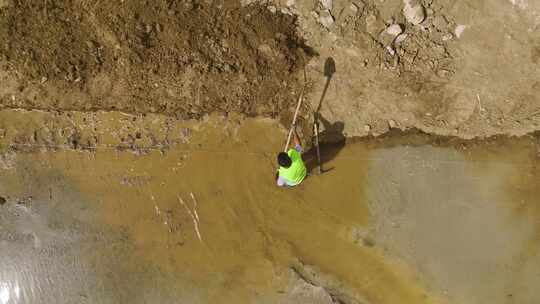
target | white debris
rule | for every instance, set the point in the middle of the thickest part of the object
(327, 4)
(459, 30)
(414, 12)
(522, 4)
(391, 50)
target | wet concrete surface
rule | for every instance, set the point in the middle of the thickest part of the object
(398, 220)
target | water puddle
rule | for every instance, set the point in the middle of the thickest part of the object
(405, 219)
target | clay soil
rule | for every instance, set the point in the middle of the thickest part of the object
(182, 58)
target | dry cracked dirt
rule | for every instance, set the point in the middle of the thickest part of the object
(138, 141)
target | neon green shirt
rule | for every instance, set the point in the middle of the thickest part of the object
(296, 173)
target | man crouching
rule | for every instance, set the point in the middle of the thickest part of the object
(292, 169)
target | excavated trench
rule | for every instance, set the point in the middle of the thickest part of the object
(135, 166)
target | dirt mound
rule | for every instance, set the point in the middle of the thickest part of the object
(179, 58)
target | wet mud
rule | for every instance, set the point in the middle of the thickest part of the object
(401, 219)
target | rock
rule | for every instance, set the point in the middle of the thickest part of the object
(392, 124)
(367, 128)
(414, 12)
(302, 291)
(400, 38)
(388, 36)
(394, 30)
(459, 30)
(327, 4)
(326, 19)
(2, 201)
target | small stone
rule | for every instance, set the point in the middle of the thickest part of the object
(392, 124)
(2, 201)
(459, 30)
(272, 9)
(400, 38)
(326, 20)
(394, 30)
(367, 128)
(414, 12)
(389, 34)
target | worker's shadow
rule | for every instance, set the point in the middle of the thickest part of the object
(331, 141)
(332, 138)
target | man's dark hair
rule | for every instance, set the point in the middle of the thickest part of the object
(284, 160)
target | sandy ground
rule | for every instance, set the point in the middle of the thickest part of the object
(469, 69)
(382, 225)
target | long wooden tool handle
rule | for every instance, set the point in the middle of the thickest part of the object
(316, 131)
(294, 120)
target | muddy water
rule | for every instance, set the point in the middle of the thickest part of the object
(394, 220)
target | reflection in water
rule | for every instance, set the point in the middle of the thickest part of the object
(9, 293)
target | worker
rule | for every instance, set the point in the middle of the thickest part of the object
(292, 169)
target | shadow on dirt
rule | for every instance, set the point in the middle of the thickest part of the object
(332, 139)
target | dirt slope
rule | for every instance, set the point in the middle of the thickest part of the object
(177, 58)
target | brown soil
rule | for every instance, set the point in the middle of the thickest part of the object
(178, 58)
